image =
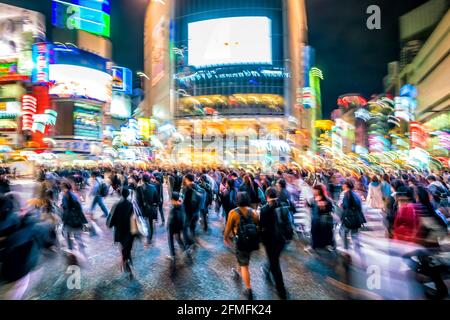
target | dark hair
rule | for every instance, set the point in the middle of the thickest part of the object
(321, 189)
(66, 185)
(234, 174)
(386, 178)
(190, 177)
(175, 196)
(282, 183)
(375, 179)
(230, 183)
(146, 177)
(125, 192)
(271, 193)
(424, 198)
(397, 183)
(431, 178)
(243, 199)
(406, 192)
(349, 184)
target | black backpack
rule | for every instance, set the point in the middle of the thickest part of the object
(247, 236)
(283, 222)
(103, 189)
(197, 196)
(73, 216)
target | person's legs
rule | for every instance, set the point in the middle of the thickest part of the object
(245, 273)
(193, 225)
(68, 232)
(171, 244)
(79, 239)
(161, 212)
(94, 203)
(180, 241)
(344, 234)
(273, 255)
(102, 206)
(205, 219)
(150, 229)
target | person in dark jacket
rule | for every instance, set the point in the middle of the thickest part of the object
(158, 181)
(120, 220)
(147, 199)
(273, 240)
(351, 206)
(204, 184)
(228, 198)
(175, 224)
(73, 217)
(20, 242)
(392, 206)
(249, 186)
(322, 219)
(192, 206)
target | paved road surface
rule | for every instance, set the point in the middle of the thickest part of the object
(307, 276)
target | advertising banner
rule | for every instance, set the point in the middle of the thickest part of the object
(92, 16)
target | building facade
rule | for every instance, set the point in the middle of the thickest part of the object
(227, 69)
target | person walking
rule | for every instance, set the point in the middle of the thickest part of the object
(242, 227)
(99, 190)
(228, 198)
(175, 224)
(273, 240)
(375, 195)
(352, 216)
(120, 219)
(73, 218)
(192, 200)
(147, 198)
(322, 219)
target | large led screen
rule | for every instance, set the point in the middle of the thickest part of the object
(89, 15)
(69, 81)
(226, 41)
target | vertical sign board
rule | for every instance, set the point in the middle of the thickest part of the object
(41, 61)
(92, 16)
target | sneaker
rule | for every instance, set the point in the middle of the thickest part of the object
(249, 294)
(235, 273)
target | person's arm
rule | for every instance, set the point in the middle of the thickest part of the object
(230, 226)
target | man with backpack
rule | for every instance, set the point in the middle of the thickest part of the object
(276, 230)
(242, 226)
(147, 199)
(99, 191)
(438, 191)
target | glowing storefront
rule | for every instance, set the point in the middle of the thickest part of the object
(236, 70)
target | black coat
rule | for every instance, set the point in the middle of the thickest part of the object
(21, 249)
(268, 226)
(121, 220)
(147, 199)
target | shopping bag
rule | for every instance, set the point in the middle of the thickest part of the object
(138, 225)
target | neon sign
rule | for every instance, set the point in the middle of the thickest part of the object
(92, 16)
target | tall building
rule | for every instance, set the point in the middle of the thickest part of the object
(221, 70)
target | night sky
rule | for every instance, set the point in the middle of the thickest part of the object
(353, 58)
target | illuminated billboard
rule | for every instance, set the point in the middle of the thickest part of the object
(70, 81)
(122, 79)
(228, 41)
(41, 60)
(92, 16)
(120, 106)
(19, 29)
(87, 121)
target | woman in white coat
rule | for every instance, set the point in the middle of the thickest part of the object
(375, 195)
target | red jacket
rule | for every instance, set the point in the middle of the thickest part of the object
(407, 223)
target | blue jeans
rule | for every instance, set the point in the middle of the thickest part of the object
(99, 200)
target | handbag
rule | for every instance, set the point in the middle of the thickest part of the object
(138, 227)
